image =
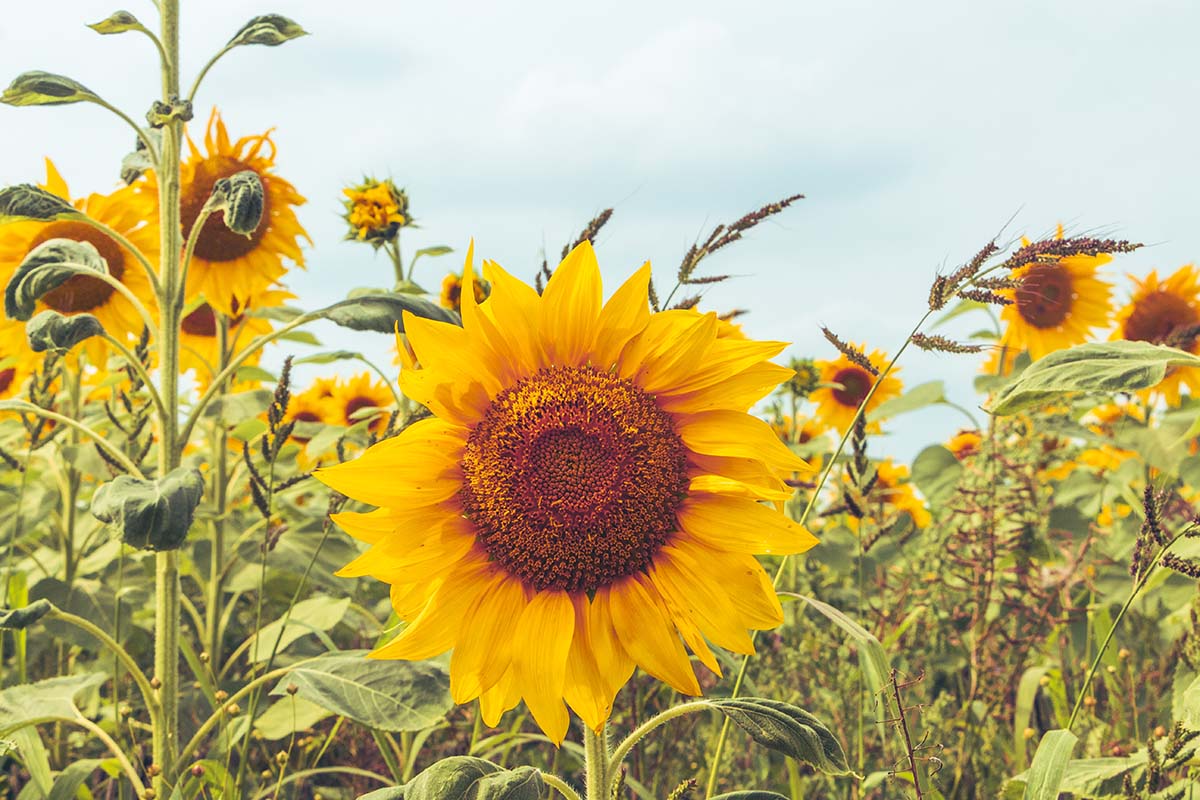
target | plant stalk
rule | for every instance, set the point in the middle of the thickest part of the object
(595, 750)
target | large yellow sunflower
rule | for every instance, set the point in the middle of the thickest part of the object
(357, 393)
(227, 266)
(198, 346)
(847, 387)
(1165, 312)
(1058, 303)
(585, 499)
(125, 212)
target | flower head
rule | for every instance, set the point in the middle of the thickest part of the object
(1166, 311)
(376, 211)
(351, 398)
(964, 444)
(452, 291)
(846, 385)
(584, 500)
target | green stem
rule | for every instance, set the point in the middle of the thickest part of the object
(559, 785)
(141, 134)
(595, 750)
(196, 84)
(102, 636)
(640, 732)
(140, 369)
(24, 407)
(130, 247)
(116, 750)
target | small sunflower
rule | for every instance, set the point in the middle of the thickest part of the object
(1059, 303)
(227, 266)
(198, 345)
(798, 430)
(452, 291)
(892, 493)
(1166, 312)
(964, 444)
(125, 212)
(17, 361)
(585, 499)
(355, 394)
(806, 379)
(376, 211)
(847, 385)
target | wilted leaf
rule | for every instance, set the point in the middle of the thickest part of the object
(44, 701)
(382, 313)
(21, 618)
(466, 778)
(314, 614)
(117, 22)
(789, 730)
(46, 267)
(45, 89)
(50, 330)
(28, 202)
(152, 514)
(385, 695)
(271, 30)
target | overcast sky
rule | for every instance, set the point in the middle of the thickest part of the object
(916, 130)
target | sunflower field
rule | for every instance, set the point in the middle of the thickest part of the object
(572, 540)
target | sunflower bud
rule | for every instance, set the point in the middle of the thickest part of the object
(806, 378)
(240, 196)
(376, 211)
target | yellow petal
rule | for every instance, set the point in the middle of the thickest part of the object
(741, 525)
(514, 307)
(643, 625)
(586, 690)
(571, 306)
(747, 585)
(738, 393)
(734, 433)
(481, 658)
(54, 182)
(541, 642)
(623, 317)
(500, 698)
(683, 622)
(613, 663)
(436, 628)
(699, 593)
(670, 367)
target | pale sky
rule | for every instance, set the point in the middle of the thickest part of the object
(916, 130)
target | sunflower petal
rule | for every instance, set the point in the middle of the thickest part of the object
(541, 643)
(741, 525)
(644, 628)
(571, 306)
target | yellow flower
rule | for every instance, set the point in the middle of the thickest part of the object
(800, 430)
(228, 266)
(585, 499)
(848, 384)
(353, 395)
(1104, 458)
(892, 493)
(198, 345)
(1166, 311)
(964, 444)
(375, 211)
(1058, 303)
(125, 212)
(452, 291)
(17, 361)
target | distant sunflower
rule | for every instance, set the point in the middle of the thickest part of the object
(452, 291)
(800, 430)
(1058, 304)
(125, 212)
(198, 346)
(964, 444)
(376, 211)
(847, 387)
(892, 493)
(1166, 312)
(228, 266)
(17, 361)
(355, 394)
(584, 501)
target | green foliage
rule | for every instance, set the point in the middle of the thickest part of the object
(46, 89)
(466, 778)
(48, 266)
(1050, 765)
(118, 22)
(44, 701)
(28, 202)
(271, 30)
(151, 514)
(21, 618)
(49, 330)
(789, 730)
(383, 313)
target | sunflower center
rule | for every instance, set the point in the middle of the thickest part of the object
(1045, 295)
(217, 242)
(201, 322)
(355, 404)
(81, 292)
(6, 378)
(1158, 315)
(573, 477)
(304, 416)
(856, 382)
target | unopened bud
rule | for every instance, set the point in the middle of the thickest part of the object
(233, 709)
(1029, 733)
(155, 683)
(197, 770)
(221, 695)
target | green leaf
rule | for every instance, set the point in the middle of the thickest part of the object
(248, 372)
(314, 614)
(303, 337)
(1104, 368)
(383, 313)
(21, 618)
(248, 430)
(1027, 691)
(872, 658)
(91, 599)
(28, 202)
(789, 730)
(139, 161)
(384, 695)
(271, 30)
(329, 358)
(118, 22)
(151, 514)
(750, 794)
(44, 701)
(936, 471)
(288, 715)
(70, 779)
(918, 397)
(46, 267)
(50, 330)
(35, 756)
(1049, 765)
(238, 406)
(46, 89)
(959, 308)
(466, 778)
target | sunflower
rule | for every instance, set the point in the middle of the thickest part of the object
(1057, 304)
(125, 212)
(452, 291)
(227, 266)
(1166, 312)
(585, 499)
(798, 430)
(355, 394)
(375, 211)
(964, 444)
(846, 386)
(198, 346)
(891, 493)
(17, 361)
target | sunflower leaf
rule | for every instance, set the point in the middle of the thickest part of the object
(1102, 368)
(1050, 765)
(46, 89)
(750, 794)
(789, 730)
(118, 22)
(152, 514)
(44, 701)
(28, 202)
(466, 778)
(50, 330)
(21, 618)
(383, 312)
(271, 30)
(48, 266)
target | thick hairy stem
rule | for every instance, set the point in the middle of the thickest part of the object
(595, 749)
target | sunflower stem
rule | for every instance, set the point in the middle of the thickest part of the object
(595, 751)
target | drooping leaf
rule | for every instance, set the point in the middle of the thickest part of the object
(139, 161)
(1049, 765)
(789, 730)
(385, 695)
(1099, 367)
(466, 778)
(67, 782)
(118, 22)
(45, 89)
(44, 701)
(21, 618)
(46, 267)
(50, 330)
(329, 358)
(383, 313)
(151, 514)
(936, 471)
(314, 614)
(872, 658)
(271, 30)
(918, 397)
(28, 202)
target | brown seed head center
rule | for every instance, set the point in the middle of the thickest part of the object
(1158, 315)
(217, 242)
(856, 382)
(80, 292)
(573, 478)
(1045, 295)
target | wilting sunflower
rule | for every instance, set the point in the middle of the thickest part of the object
(228, 266)
(198, 345)
(964, 444)
(891, 493)
(125, 212)
(1166, 312)
(846, 387)
(1058, 303)
(585, 499)
(452, 291)
(363, 391)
